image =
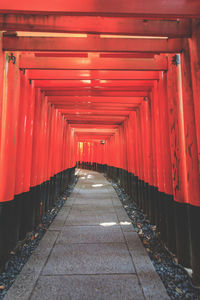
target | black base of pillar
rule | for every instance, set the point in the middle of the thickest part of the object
(194, 227)
(170, 223)
(24, 213)
(9, 226)
(182, 233)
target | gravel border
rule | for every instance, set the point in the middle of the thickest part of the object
(18, 258)
(173, 275)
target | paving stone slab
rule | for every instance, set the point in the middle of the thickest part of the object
(91, 218)
(88, 259)
(94, 196)
(96, 207)
(152, 285)
(91, 234)
(94, 201)
(92, 287)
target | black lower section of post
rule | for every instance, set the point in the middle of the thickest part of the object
(194, 227)
(24, 213)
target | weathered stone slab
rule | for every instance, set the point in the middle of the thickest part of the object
(88, 287)
(89, 259)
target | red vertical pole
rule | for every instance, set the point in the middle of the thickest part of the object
(36, 145)
(140, 158)
(166, 212)
(9, 126)
(21, 137)
(2, 61)
(191, 157)
(9, 212)
(29, 135)
(194, 48)
(178, 159)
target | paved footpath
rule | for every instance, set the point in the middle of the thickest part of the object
(89, 252)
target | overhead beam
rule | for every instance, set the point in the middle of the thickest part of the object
(97, 134)
(92, 83)
(92, 112)
(90, 140)
(97, 114)
(94, 130)
(100, 107)
(145, 8)
(95, 25)
(94, 100)
(94, 126)
(92, 74)
(94, 122)
(94, 137)
(95, 118)
(95, 93)
(93, 63)
(92, 44)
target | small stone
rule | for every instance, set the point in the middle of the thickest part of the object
(145, 243)
(179, 291)
(140, 232)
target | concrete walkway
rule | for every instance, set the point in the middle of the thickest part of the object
(90, 252)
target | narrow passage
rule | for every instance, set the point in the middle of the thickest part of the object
(89, 252)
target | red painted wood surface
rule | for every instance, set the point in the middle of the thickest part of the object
(95, 25)
(146, 8)
(71, 92)
(91, 44)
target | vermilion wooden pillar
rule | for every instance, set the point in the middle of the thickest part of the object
(29, 135)
(192, 163)
(2, 61)
(167, 214)
(194, 47)
(143, 156)
(178, 159)
(9, 121)
(155, 151)
(9, 213)
(140, 158)
(21, 136)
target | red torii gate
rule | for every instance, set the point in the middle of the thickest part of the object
(59, 92)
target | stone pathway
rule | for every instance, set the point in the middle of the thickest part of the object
(89, 252)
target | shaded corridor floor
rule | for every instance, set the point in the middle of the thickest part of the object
(90, 251)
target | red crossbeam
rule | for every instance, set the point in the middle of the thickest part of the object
(95, 25)
(91, 43)
(93, 63)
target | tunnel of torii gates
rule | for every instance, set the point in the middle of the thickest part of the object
(109, 85)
